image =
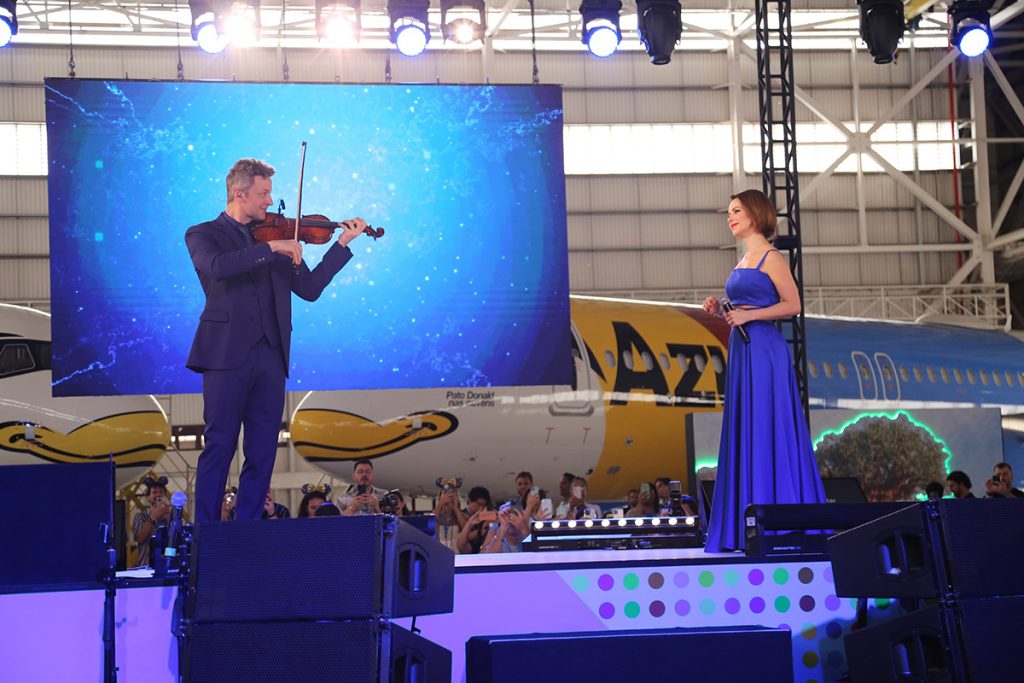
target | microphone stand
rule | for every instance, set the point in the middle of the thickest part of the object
(110, 586)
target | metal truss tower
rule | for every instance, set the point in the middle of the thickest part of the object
(777, 113)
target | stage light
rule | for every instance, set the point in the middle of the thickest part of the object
(881, 27)
(659, 24)
(463, 21)
(969, 26)
(8, 21)
(242, 23)
(409, 30)
(204, 27)
(555, 525)
(601, 33)
(338, 21)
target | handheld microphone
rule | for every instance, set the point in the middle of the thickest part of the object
(727, 306)
(178, 500)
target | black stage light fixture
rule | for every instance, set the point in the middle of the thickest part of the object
(408, 27)
(601, 32)
(882, 26)
(339, 21)
(463, 21)
(969, 27)
(205, 29)
(8, 21)
(659, 24)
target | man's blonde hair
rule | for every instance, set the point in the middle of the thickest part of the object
(243, 174)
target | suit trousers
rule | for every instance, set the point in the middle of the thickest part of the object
(251, 396)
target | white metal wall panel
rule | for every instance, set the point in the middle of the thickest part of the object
(23, 197)
(614, 193)
(186, 409)
(579, 231)
(23, 279)
(612, 231)
(663, 193)
(24, 237)
(618, 269)
(668, 269)
(22, 103)
(581, 271)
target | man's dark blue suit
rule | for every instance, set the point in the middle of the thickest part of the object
(242, 348)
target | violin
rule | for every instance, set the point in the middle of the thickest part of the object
(313, 229)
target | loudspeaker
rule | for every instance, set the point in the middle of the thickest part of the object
(969, 640)
(809, 525)
(54, 546)
(363, 567)
(843, 490)
(972, 548)
(352, 651)
(708, 654)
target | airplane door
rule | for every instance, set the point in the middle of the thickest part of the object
(578, 400)
(865, 371)
(888, 378)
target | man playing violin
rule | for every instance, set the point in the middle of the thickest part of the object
(243, 341)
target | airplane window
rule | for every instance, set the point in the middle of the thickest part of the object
(904, 375)
(648, 360)
(717, 364)
(683, 361)
(931, 374)
(958, 376)
(1009, 378)
(699, 362)
(984, 377)
(864, 371)
(997, 379)
(1020, 378)
(609, 359)
(887, 373)
(812, 368)
(842, 370)
(917, 374)
(627, 359)
(15, 358)
(970, 376)
(827, 367)
(945, 375)
(663, 359)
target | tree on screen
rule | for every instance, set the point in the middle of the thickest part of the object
(892, 458)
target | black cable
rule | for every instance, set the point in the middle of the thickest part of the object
(177, 37)
(533, 43)
(71, 44)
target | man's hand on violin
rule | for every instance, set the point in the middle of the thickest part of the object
(350, 229)
(289, 248)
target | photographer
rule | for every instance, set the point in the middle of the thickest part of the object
(1001, 483)
(145, 523)
(273, 510)
(362, 497)
(471, 537)
(506, 534)
(577, 506)
(450, 517)
(313, 496)
(647, 502)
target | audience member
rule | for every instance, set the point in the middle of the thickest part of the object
(934, 490)
(664, 503)
(577, 506)
(314, 495)
(1001, 483)
(632, 501)
(450, 517)
(647, 501)
(227, 503)
(145, 523)
(393, 503)
(524, 483)
(471, 537)
(272, 510)
(327, 509)
(362, 497)
(565, 487)
(959, 484)
(506, 534)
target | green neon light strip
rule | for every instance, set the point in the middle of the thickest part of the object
(891, 416)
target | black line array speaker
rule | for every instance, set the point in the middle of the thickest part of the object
(974, 548)
(708, 654)
(364, 651)
(364, 567)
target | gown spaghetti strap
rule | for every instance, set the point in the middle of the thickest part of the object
(765, 453)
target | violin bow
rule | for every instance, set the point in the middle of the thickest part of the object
(298, 205)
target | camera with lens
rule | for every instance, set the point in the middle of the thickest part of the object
(391, 502)
(450, 484)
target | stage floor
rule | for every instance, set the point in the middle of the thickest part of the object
(57, 636)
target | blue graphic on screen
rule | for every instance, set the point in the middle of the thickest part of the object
(468, 287)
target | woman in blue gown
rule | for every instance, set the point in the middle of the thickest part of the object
(765, 453)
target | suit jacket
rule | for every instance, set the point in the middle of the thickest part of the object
(227, 267)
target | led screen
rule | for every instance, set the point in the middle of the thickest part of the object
(468, 287)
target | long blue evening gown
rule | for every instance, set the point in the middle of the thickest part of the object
(765, 454)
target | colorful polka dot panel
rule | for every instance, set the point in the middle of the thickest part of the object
(797, 596)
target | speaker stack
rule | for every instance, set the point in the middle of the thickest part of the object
(300, 599)
(963, 560)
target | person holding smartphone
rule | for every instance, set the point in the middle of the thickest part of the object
(479, 517)
(146, 522)
(361, 497)
(577, 506)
